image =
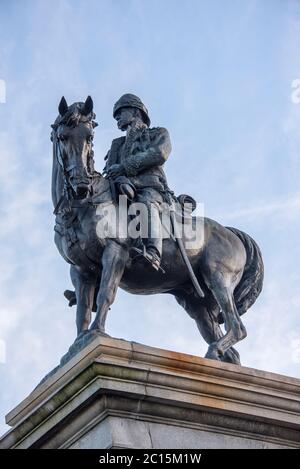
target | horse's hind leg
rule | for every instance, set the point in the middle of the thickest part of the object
(206, 318)
(209, 327)
(235, 330)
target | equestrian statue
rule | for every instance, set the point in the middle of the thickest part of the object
(216, 279)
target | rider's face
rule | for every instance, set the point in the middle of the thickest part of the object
(124, 117)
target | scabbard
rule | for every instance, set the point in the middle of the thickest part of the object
(185, 256)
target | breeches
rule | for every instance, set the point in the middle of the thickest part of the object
(150, 217)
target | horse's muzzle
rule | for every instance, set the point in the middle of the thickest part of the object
(81, 190)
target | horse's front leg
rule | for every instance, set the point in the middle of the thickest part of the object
(85, 285)
(114, 259)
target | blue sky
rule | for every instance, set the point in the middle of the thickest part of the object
(218, 75)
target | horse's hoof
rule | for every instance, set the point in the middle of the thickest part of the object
(98, 332)
(71, 297)
(213, 353)
(81, 335)
(213, 356)
(232, 356)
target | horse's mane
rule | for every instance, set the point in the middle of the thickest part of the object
(74, 116)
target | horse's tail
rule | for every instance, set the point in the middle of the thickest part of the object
(250, 285)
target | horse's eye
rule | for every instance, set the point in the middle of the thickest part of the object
(89, 139)
(63, 138)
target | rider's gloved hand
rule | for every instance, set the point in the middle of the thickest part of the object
(116, 170)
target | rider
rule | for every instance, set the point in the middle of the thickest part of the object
(139, 156)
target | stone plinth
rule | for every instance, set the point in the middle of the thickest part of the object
(119, 394)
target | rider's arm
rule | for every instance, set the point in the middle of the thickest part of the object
(156, 154)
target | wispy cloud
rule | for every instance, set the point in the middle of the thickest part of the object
(288, 208)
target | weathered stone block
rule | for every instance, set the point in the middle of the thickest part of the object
(119, 394)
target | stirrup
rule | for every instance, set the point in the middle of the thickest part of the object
(143, 253)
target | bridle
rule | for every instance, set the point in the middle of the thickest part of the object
(60, 161)
(66, 170)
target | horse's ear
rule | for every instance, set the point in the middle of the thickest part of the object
(63, 106)
(88, 106)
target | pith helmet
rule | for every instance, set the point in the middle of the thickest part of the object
(130, 100)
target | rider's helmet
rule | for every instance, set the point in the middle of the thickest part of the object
(130, 100)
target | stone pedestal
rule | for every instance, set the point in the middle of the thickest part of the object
(119, 394)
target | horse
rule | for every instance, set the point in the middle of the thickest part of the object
(227, 262)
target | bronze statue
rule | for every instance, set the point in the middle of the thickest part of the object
(226, 263)
(140, 156)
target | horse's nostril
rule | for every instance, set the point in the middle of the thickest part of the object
(82, 190)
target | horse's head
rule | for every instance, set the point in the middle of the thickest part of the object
(72, 137)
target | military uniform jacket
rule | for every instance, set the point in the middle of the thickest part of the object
(144, 161)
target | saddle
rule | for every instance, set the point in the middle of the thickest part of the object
(188, 205)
